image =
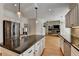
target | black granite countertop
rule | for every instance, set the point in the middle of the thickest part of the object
(26, 42)
(73, 45)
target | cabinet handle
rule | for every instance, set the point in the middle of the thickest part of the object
(30, 51)
(35, 50)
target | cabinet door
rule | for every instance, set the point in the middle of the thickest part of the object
(67, 19)
(67, 49)
(62, 44)
(72, 23)
(73, 17)
(42, 44)
(75, 10)
(29, 52)
(38, 48)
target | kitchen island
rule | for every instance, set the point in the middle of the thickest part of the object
(29, 45)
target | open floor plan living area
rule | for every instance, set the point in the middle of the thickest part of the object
(39, 29)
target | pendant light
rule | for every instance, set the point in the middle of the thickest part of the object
(36, 7)
(19, 12)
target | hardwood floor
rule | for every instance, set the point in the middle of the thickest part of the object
(52, 46)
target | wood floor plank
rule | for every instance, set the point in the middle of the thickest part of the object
(52, 46)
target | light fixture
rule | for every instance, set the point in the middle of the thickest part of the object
(49, 10)
(19, 12)
(36, 7)
(15, 5)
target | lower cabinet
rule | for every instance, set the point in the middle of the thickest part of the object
(29, 52)
(36, 49)
(39, 47)
(62, 44)
(67, 48)
(42, 44)
(74, 52)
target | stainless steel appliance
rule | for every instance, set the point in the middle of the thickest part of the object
(11, 34)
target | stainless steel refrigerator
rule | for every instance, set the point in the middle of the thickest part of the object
(11, 34)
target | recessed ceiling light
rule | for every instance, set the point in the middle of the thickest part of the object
(15, 4)
(49, 9)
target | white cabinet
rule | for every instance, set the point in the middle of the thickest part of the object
(42, 44)
(67, 48)
(62, 44)
(38, 48)
(29, 52)
(72, 17)
(74, 52)
(67, 19)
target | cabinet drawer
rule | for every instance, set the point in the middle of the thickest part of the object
(43, 42)
(38, 43)
(29, 52)
(31, 48)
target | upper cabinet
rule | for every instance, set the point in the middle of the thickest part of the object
(67, 18)
(72, 16)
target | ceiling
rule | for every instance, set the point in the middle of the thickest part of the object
(28, 9)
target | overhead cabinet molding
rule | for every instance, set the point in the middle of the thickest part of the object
(72, 17)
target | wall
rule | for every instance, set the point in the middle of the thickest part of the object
(32, 26)
(10, 16)
(40, 30)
